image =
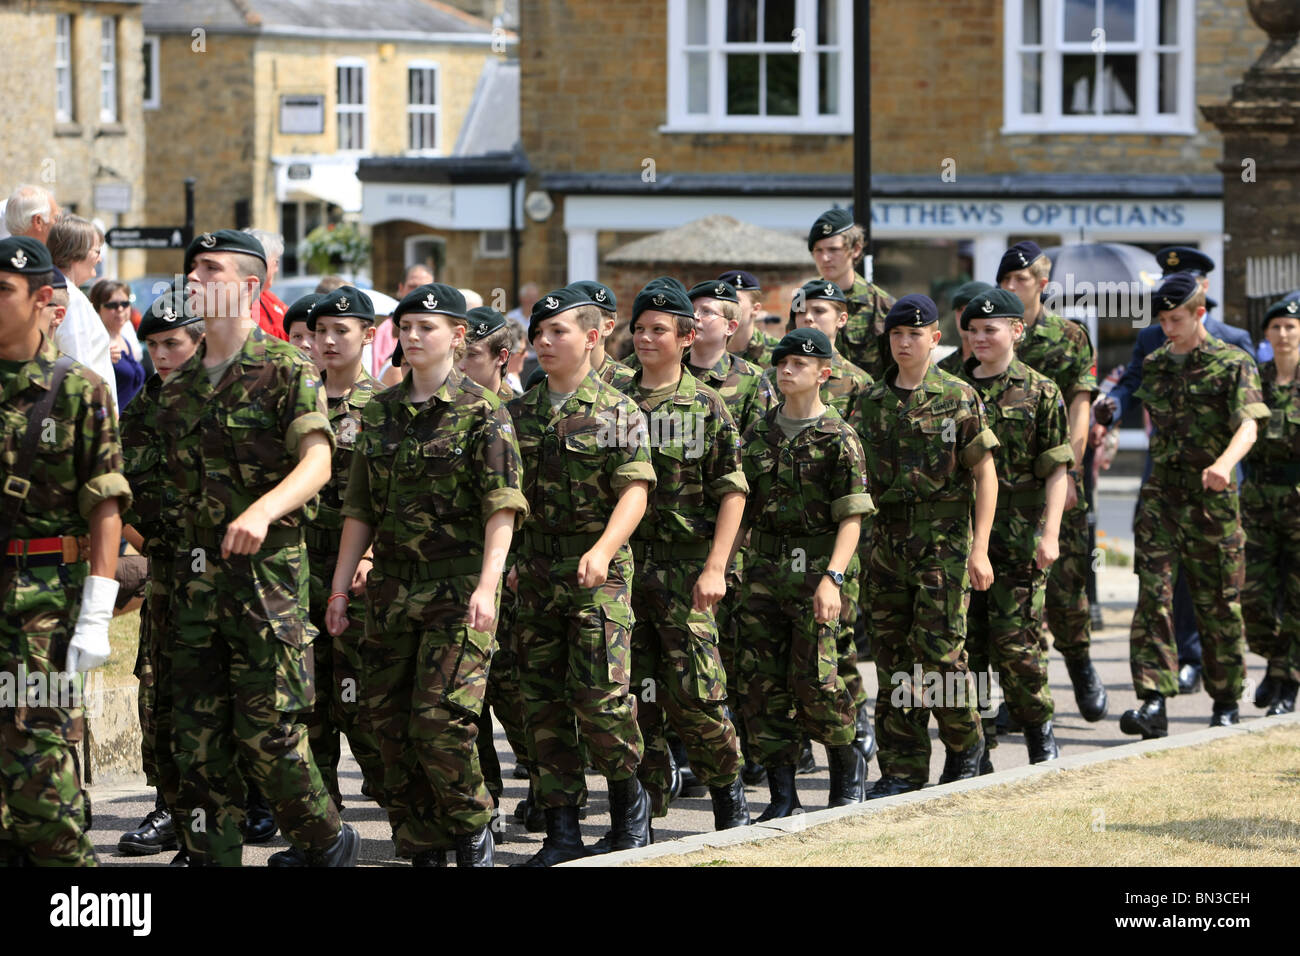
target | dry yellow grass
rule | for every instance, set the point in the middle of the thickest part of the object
(1232, 802)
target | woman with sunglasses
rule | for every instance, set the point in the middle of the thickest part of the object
(112, 302)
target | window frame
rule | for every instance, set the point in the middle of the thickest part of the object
(807, 121)
(153, 98)
(435, 110)
(63, 24)
(361, 109)
(1053, 48)
(108, 73)
(485, 252)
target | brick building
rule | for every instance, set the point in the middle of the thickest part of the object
(271, 104)
(72, 81)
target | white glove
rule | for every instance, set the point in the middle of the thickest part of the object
(90, 647)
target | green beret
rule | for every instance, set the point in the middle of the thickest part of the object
(809, 342)
(818, 289)
(1288, 307)
(993, 304)
(345, 302)
(663, 297)
(483, 321)
(300, 311)
(25, 256)
(714, 289)
(432, 298)
(667, 282)
(967, 291)
(553, 303)
(830, 223)
(601, 295)
(168, 311)
(224, 240)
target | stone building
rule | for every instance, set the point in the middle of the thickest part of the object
(271, 104)
(73, 122)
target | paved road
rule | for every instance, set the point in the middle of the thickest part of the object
(121, 808)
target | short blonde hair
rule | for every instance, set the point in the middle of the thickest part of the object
(1041, 268)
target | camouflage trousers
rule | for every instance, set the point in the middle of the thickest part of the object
(424, 675)
(678, 678)
(505, 700)
(241, 683)
(852, 621)
(337, 665)
(788, 663)
(42, 806)
(918, 590)
(1068, 613)
(1270, 599)
(1004, 625)
(154, 671)
(575, 660)
(1199, 531)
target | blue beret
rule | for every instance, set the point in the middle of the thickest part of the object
(1174, 291)
(1184, 259)
(483, 321)
(714, 289)
(345, 302)
(1018, 257)
(432, 298)
(914, 311)
(741, 280)
(600, 295)
(809, 342)
(25, 256)
(830, 223)
(993, 304)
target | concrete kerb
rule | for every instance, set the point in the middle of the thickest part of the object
(803, 822)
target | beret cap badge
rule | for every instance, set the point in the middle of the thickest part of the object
(660, 299)
(808, 346)
(18, 259)
(430, 302)
(168, 315)
(552, 301)
(342, 304)
(719, 292)
(1293, 306)
(481, 329)
(207, 240)
(988, 305)
(826, 227)
(1171, 259)
(600, 295)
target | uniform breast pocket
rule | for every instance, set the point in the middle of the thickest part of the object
(584, 453)
(1207, 397)
(444, 455)
(1015, 430)
(678, 478)
(937, 437)
(256, 447)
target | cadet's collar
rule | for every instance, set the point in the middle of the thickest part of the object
(253, 351)
(39, 369)
(932, 382)
(827, 423)
(720, 369)
(360, 390)
(446, 392)
(588, 388)
(685, 394)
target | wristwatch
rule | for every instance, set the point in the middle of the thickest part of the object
(837, 577)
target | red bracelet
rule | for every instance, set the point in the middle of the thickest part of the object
(342, 594)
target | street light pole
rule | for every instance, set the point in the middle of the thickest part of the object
(862, 128)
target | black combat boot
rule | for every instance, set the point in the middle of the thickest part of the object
(155, 834)
(430, 858)
(342, 852)
(1284, 702)
(888, 786)
(259, 821)
(729, 806)
(753, 774)
(785, 799)
(986, 762)
(1189, 678)
(848, 782)
(691, 784)
(530, 814)
(629, 818)
(181, 859)
(1266, 692)
(807, 762)
(864, 734)
(962, 764)
(1149, 720)
(290, 857)
(475, 849)
(563, 839)
(1089, 691)
(1225, 714)
(1041, 743)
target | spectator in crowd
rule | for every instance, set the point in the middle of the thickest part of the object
(74, 245)
(112, 300)
(268, 310)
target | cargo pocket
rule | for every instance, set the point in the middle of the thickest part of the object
(705, 678)
(466, 686)
(611, 658)
(828, 655)
(295, 668)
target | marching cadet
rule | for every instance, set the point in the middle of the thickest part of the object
(171, 334)
(1270, 515)
(61, 481)
(341, 323)
(1027, 416)
(607, 369)
(435, 489)
(808, 494)
(681, 550)
(749, 341)
(587, 477)
(955, 363)
(1060, 349)
(837, 243)
(487, 351)
(247, 447)
(1204, 398)
(928, 461)
(296, 325)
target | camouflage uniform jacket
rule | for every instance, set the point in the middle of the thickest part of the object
(1278, 445)
(842, 390)
(759, 350)
(806, 485)
(579, 458)
(615, 373)
(1196, 407)
(506, 393)
(78, 460)
(954, 364)
(1060, 349)
(913, 451)
(860, 338)
(156, 510)
(227, 446)
(428, 477)
(695, 450)
(748, 394)
(345, 418)
(1027, 415)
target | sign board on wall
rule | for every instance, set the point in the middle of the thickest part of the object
(302, 113)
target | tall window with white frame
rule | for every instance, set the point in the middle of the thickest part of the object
(108, 70)
(63, 68)
(760, 65)
(1099, 66)
(152, 96)
(351, 108)
(422, 109)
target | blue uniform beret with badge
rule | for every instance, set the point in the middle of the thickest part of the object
(830, 223)
(600, 295)
(714, 289)
(810, 343)
(666, 295)
(483, 321)
(345, 302)
(993, 304)
(25, 256)
(741, 281)
(1174, 291)
(914, 311)
(1020, 256)
(1184, 259)
(432, 298)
